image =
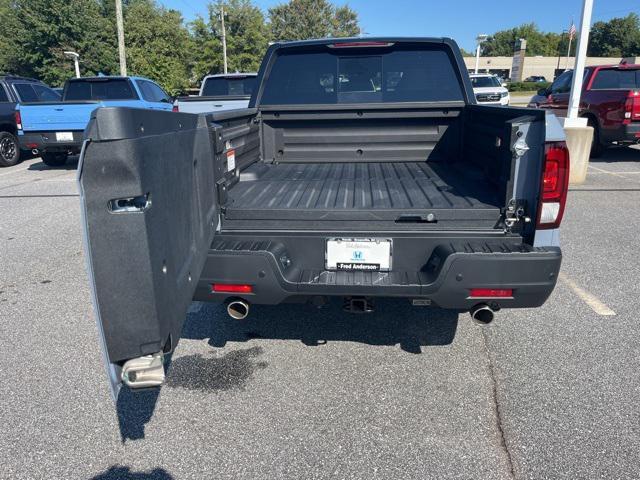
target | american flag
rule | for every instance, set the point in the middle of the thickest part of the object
(572, 30)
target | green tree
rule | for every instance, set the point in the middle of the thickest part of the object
(538, 43)
(247, 38)
(304, 19)
(41, 30)
(158, 45)
(8, 32)
(619, 37)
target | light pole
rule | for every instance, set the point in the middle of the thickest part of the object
(479, 39)
(578, 71)
(76, 64)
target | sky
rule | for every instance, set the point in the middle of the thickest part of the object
(459, 19)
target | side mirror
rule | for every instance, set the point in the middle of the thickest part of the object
(504, 84)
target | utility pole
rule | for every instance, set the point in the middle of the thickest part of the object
(120, 26)
(224, 39)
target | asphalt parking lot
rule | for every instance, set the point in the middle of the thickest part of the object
(295, 392)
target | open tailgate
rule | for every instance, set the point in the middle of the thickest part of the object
(149, 215)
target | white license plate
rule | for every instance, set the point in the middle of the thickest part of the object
(360, 254)
(64, 137)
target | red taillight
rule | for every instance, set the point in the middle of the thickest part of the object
(632, 107)
(231, 288)
(359, 44)
(175, 108)
(555, 183)
(491, 293)
(18, 118)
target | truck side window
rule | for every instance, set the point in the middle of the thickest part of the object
(3, 95)
(152, 92)
(562, 84)
(45, 94)
(26, 92)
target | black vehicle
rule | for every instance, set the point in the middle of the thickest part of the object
(14, 89)
(361, 169)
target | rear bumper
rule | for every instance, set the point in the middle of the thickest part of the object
(47, 142)
(632, 132)
(444, 277)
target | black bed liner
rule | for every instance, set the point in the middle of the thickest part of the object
(397, 191)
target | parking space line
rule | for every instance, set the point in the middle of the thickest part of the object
(615, 174)
(619, 173)
(591, 300)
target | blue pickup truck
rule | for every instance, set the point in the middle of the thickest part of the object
(55, 130)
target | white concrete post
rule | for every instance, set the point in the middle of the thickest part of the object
(578, 72)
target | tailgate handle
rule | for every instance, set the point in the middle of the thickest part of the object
(130, 204)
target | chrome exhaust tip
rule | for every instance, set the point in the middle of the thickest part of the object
(238, 309)
(482, 314)
(35, 151)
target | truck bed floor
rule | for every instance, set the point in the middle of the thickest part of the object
(359, 191)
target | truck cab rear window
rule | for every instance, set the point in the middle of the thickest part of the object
(222, 87)
(362, 76)
(112, 89)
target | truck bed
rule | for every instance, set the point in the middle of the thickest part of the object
(395, 191)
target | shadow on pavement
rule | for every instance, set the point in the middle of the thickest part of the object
(125, 473)
(135, 409)
(394, 322)
(72, 164)
(618, 154)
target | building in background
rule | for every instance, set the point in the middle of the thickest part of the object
(548, 67)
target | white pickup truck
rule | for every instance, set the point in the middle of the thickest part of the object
(219, 93)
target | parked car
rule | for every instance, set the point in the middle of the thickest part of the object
(536, 79)
(489, 89)
(14, 89)
(324, 187)
(55, 129)
(610, 101)
(219, 93)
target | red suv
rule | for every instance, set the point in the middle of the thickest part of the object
(610, 101)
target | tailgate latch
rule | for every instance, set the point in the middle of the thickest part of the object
(515, 213)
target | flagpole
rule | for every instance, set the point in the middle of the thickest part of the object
(571, 34)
